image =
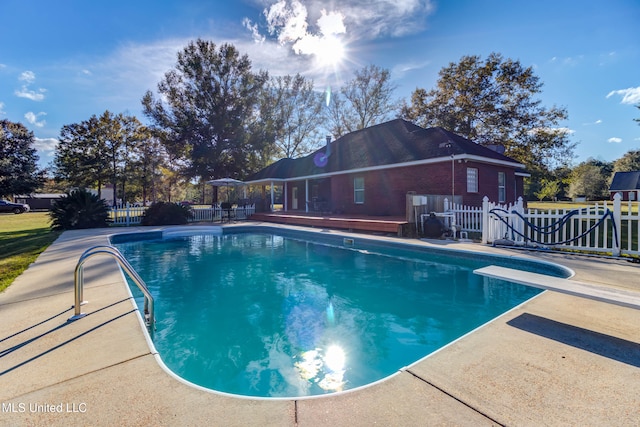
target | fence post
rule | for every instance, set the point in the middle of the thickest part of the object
(617, 221)
(128, 217)
(518, 221)
(485, 220)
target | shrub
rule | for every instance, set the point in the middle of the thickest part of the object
(163, 213)
(79, 209)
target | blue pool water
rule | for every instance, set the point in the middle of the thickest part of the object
(266, 315)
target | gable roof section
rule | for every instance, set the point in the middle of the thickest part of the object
(625, 181)
(391, 144)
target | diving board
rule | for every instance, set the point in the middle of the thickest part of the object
(622, 297)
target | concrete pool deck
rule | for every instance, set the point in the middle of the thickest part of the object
(555, 360)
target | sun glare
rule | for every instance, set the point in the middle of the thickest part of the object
(329, 51)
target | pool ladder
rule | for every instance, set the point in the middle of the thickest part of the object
(124, 264)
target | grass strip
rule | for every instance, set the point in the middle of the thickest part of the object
(22, 238)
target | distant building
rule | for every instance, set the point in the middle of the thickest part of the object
(42, 201)
(627, 184)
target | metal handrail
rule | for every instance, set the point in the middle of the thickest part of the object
(115, 253)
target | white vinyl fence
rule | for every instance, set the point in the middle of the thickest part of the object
(604, 227)
(607, 227)
(130, 215)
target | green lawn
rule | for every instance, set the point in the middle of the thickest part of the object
(577, 205)
(22, 238)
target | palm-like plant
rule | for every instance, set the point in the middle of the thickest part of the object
(79, 209)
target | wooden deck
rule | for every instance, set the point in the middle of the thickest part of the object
(386, 224)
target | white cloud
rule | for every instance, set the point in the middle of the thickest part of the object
(45, 144)
(2, 113)
(134, 68)
(289, 23)
(597, 122)
(32, 118)
(27, 76)
(331, 23)
(561, 130)
(25, 92)
(629, 96)
(400, 70)
(253, 28)
(564, 130)
(131, 70)
(568, 61)
(389, 17)
(303, 25)
(614, 140)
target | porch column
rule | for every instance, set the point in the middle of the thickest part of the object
(286, 200)
(306, 195)
(272, 198)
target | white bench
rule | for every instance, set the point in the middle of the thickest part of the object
(625, 298)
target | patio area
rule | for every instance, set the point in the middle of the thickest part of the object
(555, 360)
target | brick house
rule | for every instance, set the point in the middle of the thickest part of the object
(627, 184)
(370, 171)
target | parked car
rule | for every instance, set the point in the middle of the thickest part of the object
(16, 208)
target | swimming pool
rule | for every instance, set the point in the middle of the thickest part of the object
(276, 313)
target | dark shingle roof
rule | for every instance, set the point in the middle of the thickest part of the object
(623, 181)
(393, 142)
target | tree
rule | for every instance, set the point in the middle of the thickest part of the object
(296, 113)
(98, 150)
(549, 189)
(18, 160)
(492, 102)
(629, 162)
(590, 179)
(209, 111)
(150, 158)
(364, 101)
(79, 160)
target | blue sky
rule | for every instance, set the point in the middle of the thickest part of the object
(63, 61)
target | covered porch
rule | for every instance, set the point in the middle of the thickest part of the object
(307, 195)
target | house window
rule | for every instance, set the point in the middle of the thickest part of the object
(472, 180)
(632, 196)
(358, 190)
(502, 187)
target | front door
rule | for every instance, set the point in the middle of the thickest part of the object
(294, 198)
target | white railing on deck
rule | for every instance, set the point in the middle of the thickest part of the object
(130, 215)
